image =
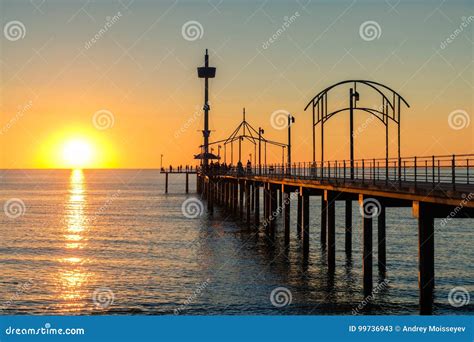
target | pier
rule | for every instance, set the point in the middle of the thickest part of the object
(434, 187)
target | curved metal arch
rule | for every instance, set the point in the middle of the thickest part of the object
(368, 110)
(391, 105)
(366, 82)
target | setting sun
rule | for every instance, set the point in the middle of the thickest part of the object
(77, 153)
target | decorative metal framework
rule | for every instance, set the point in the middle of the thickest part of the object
(389, 109)
(246, 132)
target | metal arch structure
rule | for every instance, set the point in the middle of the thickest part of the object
(246, 131)
(390, 109)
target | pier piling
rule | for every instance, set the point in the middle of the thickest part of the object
(286, 214)
(425, 215)
(348, 235)
(331, 226)
(381, 237)
(300, 216)
(257, 205)
(305, 231)
(324, 204)
(367, 248)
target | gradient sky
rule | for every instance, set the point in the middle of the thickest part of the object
(143, 71)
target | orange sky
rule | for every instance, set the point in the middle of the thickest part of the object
(140, 77)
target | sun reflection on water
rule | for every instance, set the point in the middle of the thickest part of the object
(73, 275)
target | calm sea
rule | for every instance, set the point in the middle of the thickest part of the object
(111, 241)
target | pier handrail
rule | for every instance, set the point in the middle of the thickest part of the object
(425, 170)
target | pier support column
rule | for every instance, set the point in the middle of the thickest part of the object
(300, 216)
(367, 248)
(331, 226)
(424, 213)
(210, 197)
(236, 199)
(265, 207)
(252, 197)
(286, 209)
(241, 200)
(187, 183)
(166, 182)
(280, 198)
(273, 209)
(305, 232)
(348, 235)
(247, 201)
(381, 237)
(257, 204)
(324, 204)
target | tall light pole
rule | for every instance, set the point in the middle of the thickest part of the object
(206, 72)
(260, 132)
(291, 120)
(161, 161)
(353, 98)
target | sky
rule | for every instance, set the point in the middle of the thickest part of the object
(113, 84)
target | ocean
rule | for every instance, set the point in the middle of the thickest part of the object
(87, 242)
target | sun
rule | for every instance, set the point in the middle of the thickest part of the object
(77, 153)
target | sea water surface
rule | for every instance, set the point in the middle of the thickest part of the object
(111, 242)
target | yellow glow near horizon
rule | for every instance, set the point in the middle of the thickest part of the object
(78, 148)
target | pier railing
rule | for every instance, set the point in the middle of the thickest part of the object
(426, 170)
